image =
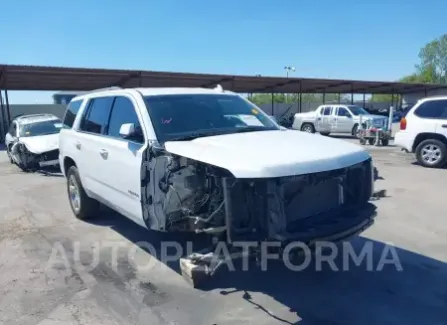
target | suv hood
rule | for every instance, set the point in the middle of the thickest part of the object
(270, 153)
(41, 143)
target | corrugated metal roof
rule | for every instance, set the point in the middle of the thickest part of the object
(17, 77)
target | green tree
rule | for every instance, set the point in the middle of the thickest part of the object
(433, 61)
(260, 99)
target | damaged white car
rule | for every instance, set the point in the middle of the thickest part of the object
(209, 161)
(32, 141)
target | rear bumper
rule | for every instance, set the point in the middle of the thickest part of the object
(404, 141)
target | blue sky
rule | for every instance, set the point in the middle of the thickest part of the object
(371, 40)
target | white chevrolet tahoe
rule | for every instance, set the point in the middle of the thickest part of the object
(423, 131)
(210, 161)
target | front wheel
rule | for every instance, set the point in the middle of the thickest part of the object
(83, 207)
(307, 127)
(431, 153)
(355, 131)
(8, 152)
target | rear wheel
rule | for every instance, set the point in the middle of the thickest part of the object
(307, 127)
(431, 153)
(385, 142)
(82, 206)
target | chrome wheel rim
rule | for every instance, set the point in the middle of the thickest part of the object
(307, 129)
(74, 194)
(431, 154)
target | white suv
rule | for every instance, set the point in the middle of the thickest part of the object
(423, 131)
(208, 160)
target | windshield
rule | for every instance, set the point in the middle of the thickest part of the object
(177, 117)
(357, 110)
(40, 128)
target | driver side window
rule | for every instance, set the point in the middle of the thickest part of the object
(123, 112)
(343, 112)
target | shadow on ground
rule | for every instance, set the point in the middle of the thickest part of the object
(389, 286)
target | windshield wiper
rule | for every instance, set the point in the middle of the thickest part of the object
(253, 129)
(197, 134)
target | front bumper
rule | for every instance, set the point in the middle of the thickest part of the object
(333, 227)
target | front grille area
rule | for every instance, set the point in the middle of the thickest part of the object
(326, 193)
(51, 155)
(256, 209)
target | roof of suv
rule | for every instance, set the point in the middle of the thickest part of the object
(157, 91)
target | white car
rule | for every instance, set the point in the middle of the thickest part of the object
(32, 141)
(177, 159)
(336, 118)
(423, 132)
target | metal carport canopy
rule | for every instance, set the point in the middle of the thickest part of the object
(20, 77)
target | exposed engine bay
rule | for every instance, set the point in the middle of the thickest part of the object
(29, 161)
(187, 195)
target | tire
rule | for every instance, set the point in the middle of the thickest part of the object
(8, 152)
(371, 142)
(307, 127)
(325, 133)
(431, 153)
(83, 207)
(385, 142)
(355, 130)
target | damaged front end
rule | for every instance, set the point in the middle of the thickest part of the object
(29, 161)
(182, 194)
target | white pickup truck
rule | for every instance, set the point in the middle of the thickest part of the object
(336, 118)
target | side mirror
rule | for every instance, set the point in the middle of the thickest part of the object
(131, 132)
(127, 130)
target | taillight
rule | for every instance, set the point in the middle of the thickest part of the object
(403, 123)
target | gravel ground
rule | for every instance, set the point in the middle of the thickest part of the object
(36, 226)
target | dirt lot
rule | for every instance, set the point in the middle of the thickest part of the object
(35, 220)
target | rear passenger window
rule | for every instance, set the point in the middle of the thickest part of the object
(123, 112)
(436, 109)
(70, 114)
(97, 115)
(327, 110)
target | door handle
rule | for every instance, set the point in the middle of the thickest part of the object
(78, 145)
(444, 125)
(104, 153)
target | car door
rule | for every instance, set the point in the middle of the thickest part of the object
(431, 113)
(323, 120)
(88, 140)
(121, 159)
(343, 120)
